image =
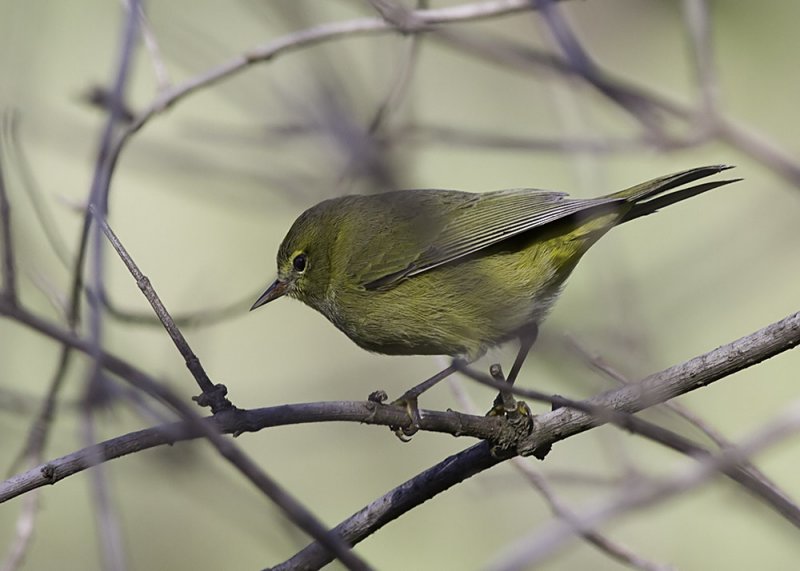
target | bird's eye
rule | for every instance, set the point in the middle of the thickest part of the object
(299, 263)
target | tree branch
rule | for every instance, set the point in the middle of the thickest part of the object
(563, 423)
(293, 509)
(548, 429)
(532, 549)
(8, 279)
(213, 395)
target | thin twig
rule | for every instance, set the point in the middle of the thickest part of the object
(599, 364)
(201, 318)
(327, 32)
(163, 81)
(25, 528)
(214, 395)
(698, 25)
(605, 544)
(462, 136)
(15, 150)
(399, 88)
(107, 521)
(582, 64)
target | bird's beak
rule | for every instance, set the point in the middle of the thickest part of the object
(274, 291)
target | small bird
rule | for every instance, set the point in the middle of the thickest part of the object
(444, 272)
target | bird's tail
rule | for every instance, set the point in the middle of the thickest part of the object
(649, 196)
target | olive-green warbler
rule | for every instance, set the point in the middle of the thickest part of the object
(443, 272)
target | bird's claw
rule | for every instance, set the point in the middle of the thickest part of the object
(404, 433)
(518, 409)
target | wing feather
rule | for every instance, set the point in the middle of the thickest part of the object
(441, 226)
(473, 222)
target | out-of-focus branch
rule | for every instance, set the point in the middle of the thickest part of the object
(326, 32)
(14, 150)
(8, 279)
(698, 25)
(533, 549)
(25, 528)
(106, 520)
(592, 536)
(643, 103)
(604, 414)
(151, 43)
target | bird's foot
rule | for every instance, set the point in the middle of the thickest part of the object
(504, 403)
(409, 402)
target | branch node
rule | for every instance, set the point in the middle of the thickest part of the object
(215, 399)
(378, 396)
(517, 427)
(49, 473)
(459, 431)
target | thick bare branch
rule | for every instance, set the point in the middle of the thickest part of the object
(533, 549)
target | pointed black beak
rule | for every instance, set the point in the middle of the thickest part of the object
(274, 291)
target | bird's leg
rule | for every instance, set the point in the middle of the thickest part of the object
(409, 399)
(504, 403)
(527, 338)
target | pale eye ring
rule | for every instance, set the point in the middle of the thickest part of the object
(299, 263)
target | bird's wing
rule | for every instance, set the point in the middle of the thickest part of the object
(468, 223)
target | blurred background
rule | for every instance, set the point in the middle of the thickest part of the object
(204, 193)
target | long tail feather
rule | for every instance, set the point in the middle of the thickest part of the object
(650, 206)
(645, 197)
(662, 184)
